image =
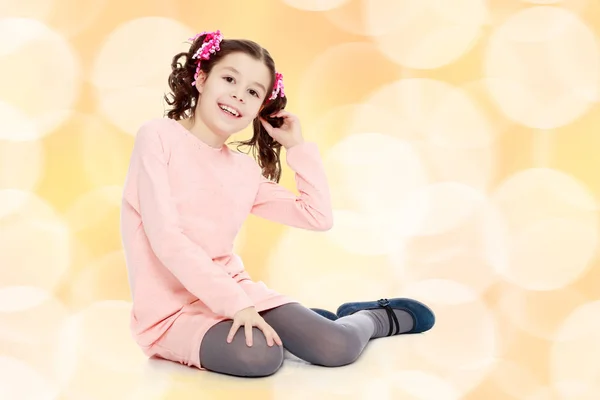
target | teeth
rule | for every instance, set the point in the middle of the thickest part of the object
(229, 110)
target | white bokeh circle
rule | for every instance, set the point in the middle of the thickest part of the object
(542, 67)
(444, 206)
(433, 110)
(372, 177)
(544, 393)
(447, 125)
(551, 229)
(20, 381)
(71, 20)
(15, 125)
(340, 122)
(333, 70)
(551, 254)
(314, 278)
(374, 17)
(21, 164)
(48, 68)
(19, 298)
(373, 172)
(64, 15)
(435, 35)
(314, 5)
(575, 354)
(29, 315)
(30, 322)
(35, 9)
(30, 224)
(539, 313)
(473, 167)
(534, 194)
(132, 66)
(455, 245)
(363, 233)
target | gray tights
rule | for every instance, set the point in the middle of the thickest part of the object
(304, 333)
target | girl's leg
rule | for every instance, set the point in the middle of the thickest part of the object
(320, 341)
(236, 358)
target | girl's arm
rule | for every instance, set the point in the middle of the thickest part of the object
(188, 262)
(312, 208)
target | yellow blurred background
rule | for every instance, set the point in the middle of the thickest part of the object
(461, 140)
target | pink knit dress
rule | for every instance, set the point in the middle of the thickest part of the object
(183, 204)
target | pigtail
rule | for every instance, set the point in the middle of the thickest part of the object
(183, 96)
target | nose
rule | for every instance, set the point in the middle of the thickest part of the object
(237, 96)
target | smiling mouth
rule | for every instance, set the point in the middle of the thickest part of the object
(230, 110)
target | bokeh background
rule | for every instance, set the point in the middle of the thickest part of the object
(461, 140)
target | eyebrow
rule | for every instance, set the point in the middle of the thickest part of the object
(238, 72)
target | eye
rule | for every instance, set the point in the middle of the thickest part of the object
(254, 93)
(228, 79)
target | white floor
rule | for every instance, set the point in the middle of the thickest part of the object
(390, 368)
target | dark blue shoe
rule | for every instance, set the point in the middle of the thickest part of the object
(423, 317)
(325, 313)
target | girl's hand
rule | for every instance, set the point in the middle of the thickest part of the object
(249, 318)
(289, 134)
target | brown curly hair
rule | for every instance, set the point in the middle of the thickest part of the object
(184, 98)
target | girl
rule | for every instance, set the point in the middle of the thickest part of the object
(186, 196)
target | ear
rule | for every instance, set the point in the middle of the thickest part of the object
(200, 81)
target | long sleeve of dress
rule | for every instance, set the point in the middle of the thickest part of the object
(186, 260)
(312, 208)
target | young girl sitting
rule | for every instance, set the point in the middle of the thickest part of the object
(185, 198)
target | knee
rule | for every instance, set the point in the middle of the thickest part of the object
(260, 360)
(341, 348)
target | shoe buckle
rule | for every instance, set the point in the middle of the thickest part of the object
(383, 302)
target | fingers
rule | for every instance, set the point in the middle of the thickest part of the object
(268, 127)
(270, 335)
(277, 338)
(283, 114)
(232, 331)
(248, 329)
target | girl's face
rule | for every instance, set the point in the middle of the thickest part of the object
(233, 93)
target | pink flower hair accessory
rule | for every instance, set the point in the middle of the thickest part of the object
(210, 45)
(277, 87)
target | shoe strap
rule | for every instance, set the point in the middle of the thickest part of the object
(385, 304)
